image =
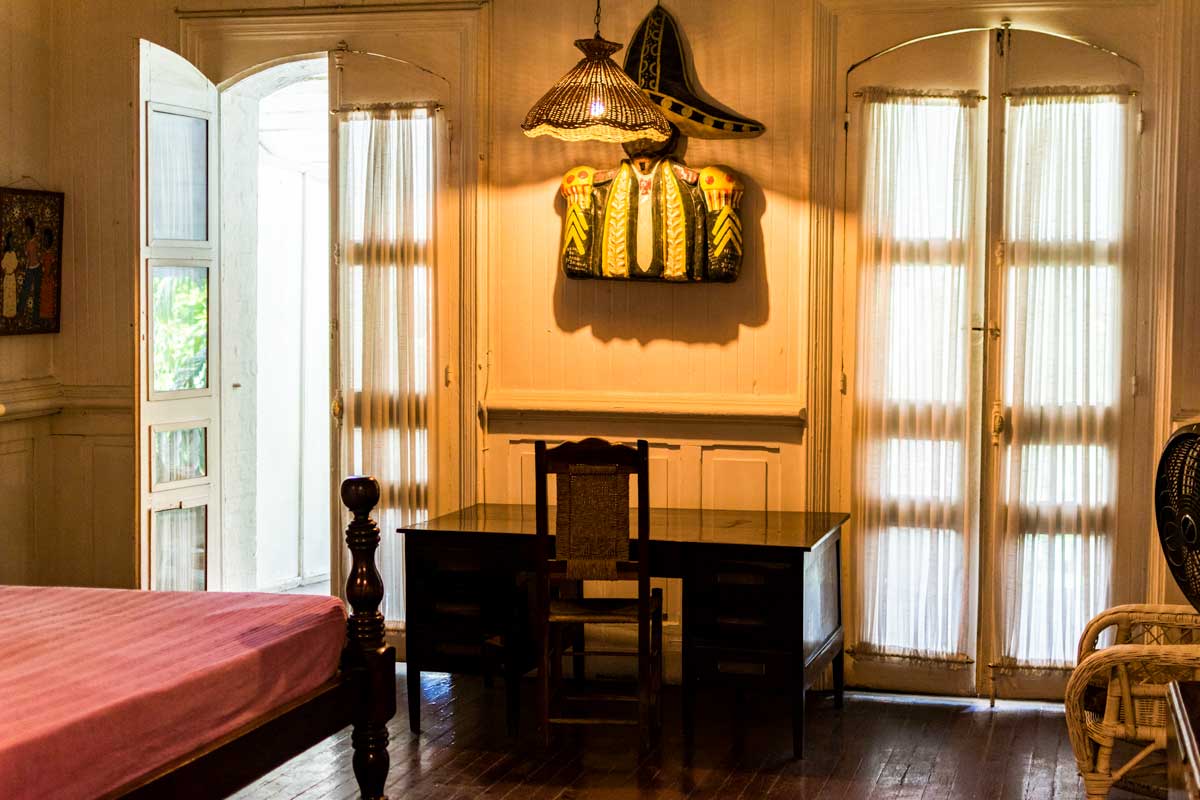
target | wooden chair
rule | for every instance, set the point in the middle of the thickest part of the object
(592, 543)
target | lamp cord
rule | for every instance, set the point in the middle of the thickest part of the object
(597, 19)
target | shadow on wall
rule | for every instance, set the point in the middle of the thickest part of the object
(694, 313)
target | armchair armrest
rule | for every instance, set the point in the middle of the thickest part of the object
(1156, 665)
(1125, 616)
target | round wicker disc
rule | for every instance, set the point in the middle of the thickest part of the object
(597, 101)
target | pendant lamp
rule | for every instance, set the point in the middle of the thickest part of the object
(596, 101)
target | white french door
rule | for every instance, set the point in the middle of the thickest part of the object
(991, 173)
(178, 369)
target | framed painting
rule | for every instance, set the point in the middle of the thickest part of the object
(31, 224)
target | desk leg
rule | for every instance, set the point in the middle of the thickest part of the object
(411, 603)
(839, 679)
(799, 672)
(798, 717)
(687, 673)
(414, 698)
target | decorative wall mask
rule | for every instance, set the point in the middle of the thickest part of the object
(653, 217)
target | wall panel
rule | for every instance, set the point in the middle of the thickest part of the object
(17, 518)
(25, 136)
(740, 477)
(84, 535)
(558, 335)
(91, 159)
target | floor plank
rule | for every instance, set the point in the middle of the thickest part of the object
(880, 747)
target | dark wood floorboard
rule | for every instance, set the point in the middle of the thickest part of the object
(879, 747)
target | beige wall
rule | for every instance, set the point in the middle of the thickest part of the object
(24, 161)
(66, 452)
(744, 338)
(563, 356)
(25, 144)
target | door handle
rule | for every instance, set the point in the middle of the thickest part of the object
(998, 423)
(335, 407)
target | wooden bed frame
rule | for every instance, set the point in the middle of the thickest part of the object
(362, 694)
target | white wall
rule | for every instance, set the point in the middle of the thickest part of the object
(280, 256)
(239, 346)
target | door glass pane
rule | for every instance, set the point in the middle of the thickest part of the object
(913, 454)
(1064, 220)
(178, 171)
(180, 454)
(179, 306)
(179, 549)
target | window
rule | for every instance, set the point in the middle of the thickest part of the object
(386, 246)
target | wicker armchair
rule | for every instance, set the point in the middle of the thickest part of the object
(1117, 693)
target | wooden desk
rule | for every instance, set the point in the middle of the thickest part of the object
(761, 594)
(1183, 752)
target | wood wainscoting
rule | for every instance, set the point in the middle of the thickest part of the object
(66, 479)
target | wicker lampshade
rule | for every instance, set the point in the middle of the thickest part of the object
(596, 101)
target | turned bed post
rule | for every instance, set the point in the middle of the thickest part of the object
(367, 660)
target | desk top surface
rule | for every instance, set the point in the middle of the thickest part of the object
(796, 529)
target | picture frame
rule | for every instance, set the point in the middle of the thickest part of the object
(31, 225)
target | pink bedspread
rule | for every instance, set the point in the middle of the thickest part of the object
(100, 686)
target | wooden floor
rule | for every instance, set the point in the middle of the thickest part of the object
(878, 746)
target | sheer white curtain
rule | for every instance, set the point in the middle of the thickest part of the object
(178, 176)
(912, 453)
(1066, 186)
(180, 549)
(386, 255)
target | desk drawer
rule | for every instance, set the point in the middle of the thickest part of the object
(745, 603)
(459, 597)
(734, 667)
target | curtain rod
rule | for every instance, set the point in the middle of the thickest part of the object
(432, 105)
(935, 94)
(338, 8)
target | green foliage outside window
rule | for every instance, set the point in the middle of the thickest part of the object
(180, 307)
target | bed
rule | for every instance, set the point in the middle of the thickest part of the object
(117, 693)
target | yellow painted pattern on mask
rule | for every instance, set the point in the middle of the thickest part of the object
(615, 260)
(674, 229)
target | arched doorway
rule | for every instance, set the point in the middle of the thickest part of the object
(276, 288)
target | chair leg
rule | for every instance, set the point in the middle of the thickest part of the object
(544, 683)
(512, 693)
(489, 667)
(644, 693)
(656, 647)
(579, 643)
(556, 652)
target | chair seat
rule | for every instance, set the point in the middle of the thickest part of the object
(600, 609)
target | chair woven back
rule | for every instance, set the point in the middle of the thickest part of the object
(592, 527)
(592, 510)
